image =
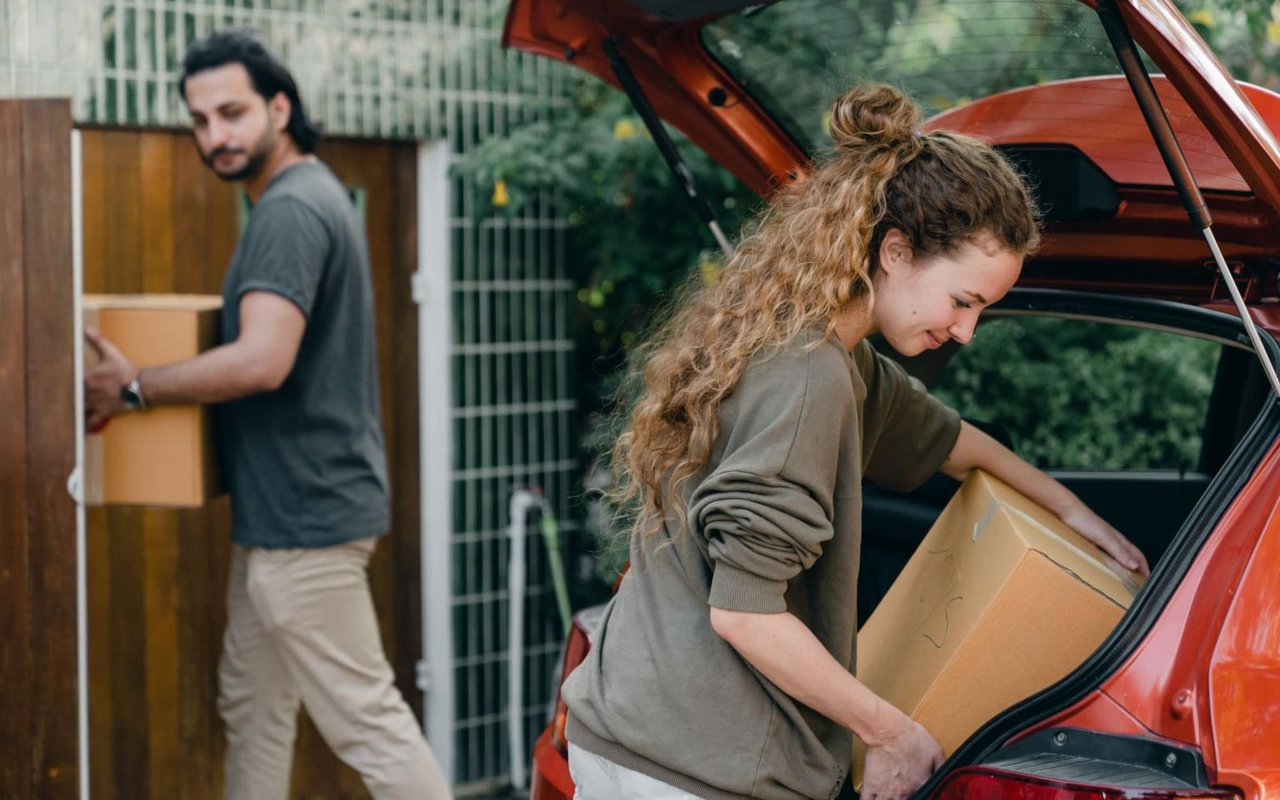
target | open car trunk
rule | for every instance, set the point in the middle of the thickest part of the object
(1122, 274)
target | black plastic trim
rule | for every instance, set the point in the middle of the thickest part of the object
(1083, 756)
(1145, 311)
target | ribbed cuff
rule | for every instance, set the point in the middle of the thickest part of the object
(735, 590)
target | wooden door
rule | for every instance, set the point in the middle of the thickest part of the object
(38, 686)
(156, 220)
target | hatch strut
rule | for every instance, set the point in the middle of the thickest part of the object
(665, 146)
(1174, 159)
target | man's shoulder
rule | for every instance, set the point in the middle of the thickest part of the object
(310, 183)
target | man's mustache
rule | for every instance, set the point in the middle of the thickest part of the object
(222, 151)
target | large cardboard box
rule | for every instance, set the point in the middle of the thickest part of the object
(163, 456)
(999, 601)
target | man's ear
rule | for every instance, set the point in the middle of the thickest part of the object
(895, 251)
(281, 109)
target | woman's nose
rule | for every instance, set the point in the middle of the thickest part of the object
(962, 329)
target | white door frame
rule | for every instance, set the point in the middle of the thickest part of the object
(432, 291)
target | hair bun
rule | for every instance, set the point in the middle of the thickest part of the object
(873, 115)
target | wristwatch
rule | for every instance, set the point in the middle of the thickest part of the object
(131, 396)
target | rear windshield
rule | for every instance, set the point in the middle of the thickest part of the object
(796, 55)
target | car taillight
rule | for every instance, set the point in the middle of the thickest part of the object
(979, 783)
(575, 650)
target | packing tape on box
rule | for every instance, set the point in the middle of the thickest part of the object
(1124, 577)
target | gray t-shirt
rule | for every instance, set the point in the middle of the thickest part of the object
(306, 464)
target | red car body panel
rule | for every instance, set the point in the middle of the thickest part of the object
(676, 72)
(1185, 687)
(550, 777)
(1239, 170)
(1206, 85)
(1207, 673)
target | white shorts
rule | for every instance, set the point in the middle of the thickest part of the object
(598, 778)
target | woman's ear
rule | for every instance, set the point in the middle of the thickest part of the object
(895, 251)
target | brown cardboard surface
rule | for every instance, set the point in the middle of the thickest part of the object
(1000, 600)
(163, 456)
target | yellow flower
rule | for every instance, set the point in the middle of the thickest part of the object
(500, 197)
(623, 129)
(1273, 32)
(709, 271)
(1202, 17)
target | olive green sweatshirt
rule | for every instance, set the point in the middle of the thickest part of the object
(774, 524)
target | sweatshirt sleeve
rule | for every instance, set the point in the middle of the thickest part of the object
(908, 432)
(765, 511)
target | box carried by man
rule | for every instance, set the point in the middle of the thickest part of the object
(1000, 600)
(165, 457)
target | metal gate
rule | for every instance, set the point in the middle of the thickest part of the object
(496, 364)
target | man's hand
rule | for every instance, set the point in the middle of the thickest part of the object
(900, 761)
(103, 382)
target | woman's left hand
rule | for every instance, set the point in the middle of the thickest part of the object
(1097, 530)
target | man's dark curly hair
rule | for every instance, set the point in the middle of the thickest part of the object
(267, 74)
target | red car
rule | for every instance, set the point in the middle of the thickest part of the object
(1100, 103)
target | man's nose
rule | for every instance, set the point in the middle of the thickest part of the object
(215, 134)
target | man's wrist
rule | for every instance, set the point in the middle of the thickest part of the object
(132, 396)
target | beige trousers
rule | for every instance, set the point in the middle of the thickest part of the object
(301, 628)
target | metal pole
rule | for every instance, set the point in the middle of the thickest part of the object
(432, 292)
(1144, 93)
(75, 484)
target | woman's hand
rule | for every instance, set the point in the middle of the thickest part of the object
(1097, 530)
(975, 449)
(901, 761)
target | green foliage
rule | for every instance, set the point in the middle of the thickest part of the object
(633, 235)
(1085, 395)
(1244, 33)
(633, 238)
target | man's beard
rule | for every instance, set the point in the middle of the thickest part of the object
(257, 157)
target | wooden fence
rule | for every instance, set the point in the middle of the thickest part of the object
(155, 220)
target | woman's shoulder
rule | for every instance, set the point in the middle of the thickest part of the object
(812, 363)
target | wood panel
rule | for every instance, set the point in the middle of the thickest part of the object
(38, 683)
(157, 220)
(15, 627)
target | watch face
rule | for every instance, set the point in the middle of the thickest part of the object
(130, 397)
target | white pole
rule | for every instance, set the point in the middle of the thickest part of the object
(432, 291)
(75, 483)
(522, 500)
(1245, 316)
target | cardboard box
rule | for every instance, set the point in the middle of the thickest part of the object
(1000, 600)
(163, 456)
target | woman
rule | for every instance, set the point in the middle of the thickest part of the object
(722, 668)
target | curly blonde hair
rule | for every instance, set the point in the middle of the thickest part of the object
(806, 258)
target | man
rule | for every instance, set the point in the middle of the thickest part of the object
(300, 438)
